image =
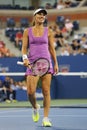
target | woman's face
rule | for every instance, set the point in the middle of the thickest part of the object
(40, 17)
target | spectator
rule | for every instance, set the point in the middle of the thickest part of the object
(65, 33)
(2, 44)
(76, 47)
(67, 3)
(7, 87)
(48, 6)
(5, 52)
(1, 54)
(13, 90)
(17, 85)
(69, 26)
(2, 92)
(83, 40)
(59, 41)
(18, 39)
(24, 85)
(55, 4)
(83, 43)
(66, 51)
(60, 4)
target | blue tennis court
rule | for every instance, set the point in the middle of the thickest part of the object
(62, 119)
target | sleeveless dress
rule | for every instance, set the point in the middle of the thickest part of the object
(38, 48)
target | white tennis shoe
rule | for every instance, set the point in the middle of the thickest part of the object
(46, 122)
(35, 114)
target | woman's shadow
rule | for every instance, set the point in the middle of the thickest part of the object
(53, 128)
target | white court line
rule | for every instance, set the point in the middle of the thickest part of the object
(15, 110)
(30, 113)
(14, 116)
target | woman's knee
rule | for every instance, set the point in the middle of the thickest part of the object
(46, 92)
(31, 84)
(31, 90)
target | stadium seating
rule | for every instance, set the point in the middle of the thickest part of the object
(10, 22)
(60, 20)
(24, 22)
(76, 25)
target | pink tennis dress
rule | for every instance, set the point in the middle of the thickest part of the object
(38, 48)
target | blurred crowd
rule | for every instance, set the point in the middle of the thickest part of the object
(63, 42)
(66, 41)
(57, 4)
(62, 4)
(4, 51)
(8, 88)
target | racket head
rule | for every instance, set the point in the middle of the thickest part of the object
(40, 67)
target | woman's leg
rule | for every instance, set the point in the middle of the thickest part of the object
(46, 82)
(31, 89)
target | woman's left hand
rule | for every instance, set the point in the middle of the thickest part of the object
(56, 69)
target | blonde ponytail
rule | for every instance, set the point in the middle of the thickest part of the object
(33, 22)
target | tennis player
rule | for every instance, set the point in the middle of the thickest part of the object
(40, 40)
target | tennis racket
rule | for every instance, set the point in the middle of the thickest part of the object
(39, 67)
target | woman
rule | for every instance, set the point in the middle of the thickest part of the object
(40, 40)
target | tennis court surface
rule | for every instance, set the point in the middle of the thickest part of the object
(63, 117)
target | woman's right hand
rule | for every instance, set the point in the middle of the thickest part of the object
(26, 63)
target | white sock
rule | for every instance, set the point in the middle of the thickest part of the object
(45, 118)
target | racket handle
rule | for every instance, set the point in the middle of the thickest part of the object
(19, 63)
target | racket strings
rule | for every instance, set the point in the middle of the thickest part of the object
(40, 67)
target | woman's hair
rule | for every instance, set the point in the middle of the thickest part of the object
(33, 22)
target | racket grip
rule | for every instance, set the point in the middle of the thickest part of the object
(19, 63)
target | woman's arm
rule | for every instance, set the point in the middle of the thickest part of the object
(25, 42)
(24, 47)
(52, 49)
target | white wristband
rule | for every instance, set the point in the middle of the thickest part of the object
(24, 57)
